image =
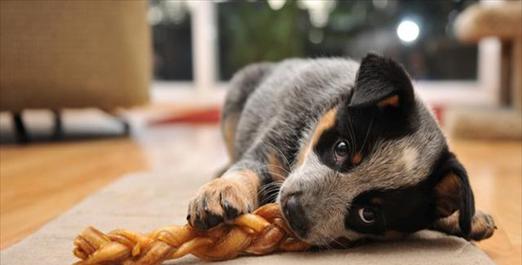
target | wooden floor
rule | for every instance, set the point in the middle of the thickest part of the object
(40, 181)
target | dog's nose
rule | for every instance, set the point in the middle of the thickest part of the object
(295, 215)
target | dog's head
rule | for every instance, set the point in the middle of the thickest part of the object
(375, 165)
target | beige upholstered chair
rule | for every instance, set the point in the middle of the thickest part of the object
(73, 54)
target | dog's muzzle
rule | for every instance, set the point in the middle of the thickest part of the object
(294, 214)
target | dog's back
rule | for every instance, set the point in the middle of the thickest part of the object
(275, 103)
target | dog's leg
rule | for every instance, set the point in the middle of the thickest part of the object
(482, 227)
(226, 197)
(242, 85)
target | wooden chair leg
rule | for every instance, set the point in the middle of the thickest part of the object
(58, 133)
(126, 127)
(20, 130)
(118, 115)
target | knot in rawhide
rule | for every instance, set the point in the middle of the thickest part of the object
(262, 232)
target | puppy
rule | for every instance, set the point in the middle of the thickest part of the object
(347, 149)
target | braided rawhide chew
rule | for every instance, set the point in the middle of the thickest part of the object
(262, 232)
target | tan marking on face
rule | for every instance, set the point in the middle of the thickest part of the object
(377, 201)
(393, 234)
(448, 195)
(276, 168)
(356, 159)
(326, 122)
(392, 101)
(449, 223)
(229, 132)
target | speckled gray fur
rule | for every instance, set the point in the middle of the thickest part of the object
(287, 98)
(278, 106)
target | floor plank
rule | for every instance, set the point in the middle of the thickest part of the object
(38, 182)
(495, 170)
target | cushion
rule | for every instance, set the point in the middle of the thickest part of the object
(74, 54)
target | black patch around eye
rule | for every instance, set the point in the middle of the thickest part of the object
(325, 150)
(372, 123)
(362, 127)
(405, 210)
(354, 222)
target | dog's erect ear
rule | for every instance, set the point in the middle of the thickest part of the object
(453, 192)
(382, 82)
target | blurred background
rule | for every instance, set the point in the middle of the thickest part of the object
(90, 90)
(179, 55)
(418, 34)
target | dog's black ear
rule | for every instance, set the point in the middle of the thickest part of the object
(382, 82)
(453, 192)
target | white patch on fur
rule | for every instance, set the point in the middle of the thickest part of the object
(409, 158)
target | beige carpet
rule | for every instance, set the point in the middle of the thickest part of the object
(145, 201)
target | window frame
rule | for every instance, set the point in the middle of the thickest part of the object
(485, 91)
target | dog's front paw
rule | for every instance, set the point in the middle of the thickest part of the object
(482, 227)
(218, 201)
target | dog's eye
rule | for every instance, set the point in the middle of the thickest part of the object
(341, 150)
(367, 215)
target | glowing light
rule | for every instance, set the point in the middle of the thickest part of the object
(276, 4)
(319, 11)
(408, 31)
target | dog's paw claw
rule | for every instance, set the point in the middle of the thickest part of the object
(218, 201)
(230, 211)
